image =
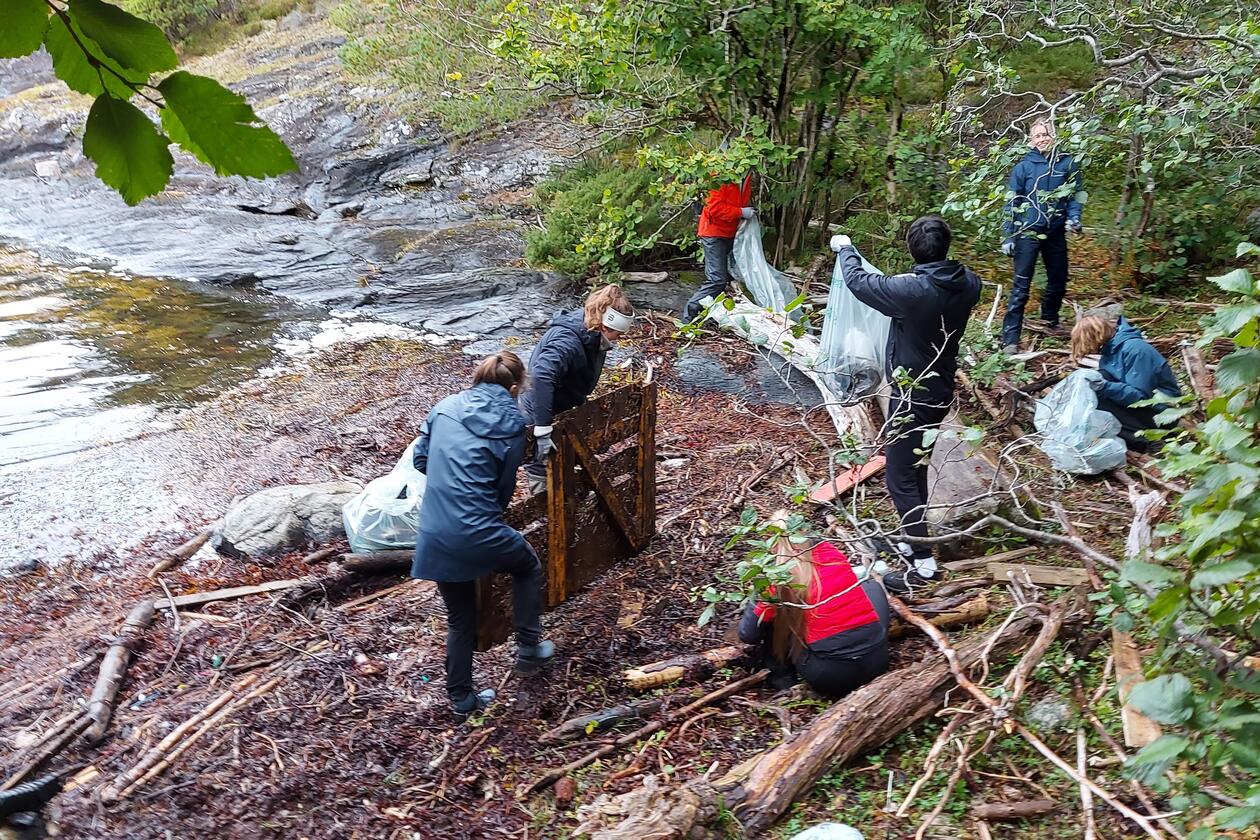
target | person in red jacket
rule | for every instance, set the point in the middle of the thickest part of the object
(830, 628)
(718, 223)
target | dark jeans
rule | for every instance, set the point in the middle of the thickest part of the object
(717, 273)
(1132, 421)
(461, 622)
(906, 477)
(1053, 251)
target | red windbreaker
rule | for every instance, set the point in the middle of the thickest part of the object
(834, 574)
(720, 216)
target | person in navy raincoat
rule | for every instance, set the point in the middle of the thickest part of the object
(566, 365)
(469, 449)
(1045, 201)
(1130, 370)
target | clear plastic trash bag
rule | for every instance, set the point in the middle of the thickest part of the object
(386, 513)
(1076, 435)
(769, 287)
(854, 341)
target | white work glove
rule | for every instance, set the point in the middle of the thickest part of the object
(1008, 248)
(1074, 225)
(1093, 377)
(747, 212)
(542, 443)
(840, 241)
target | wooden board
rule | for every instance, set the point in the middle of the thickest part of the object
(1040, 575)
(983, 562)
(1139, 730)
(847, 480)
(227, 594)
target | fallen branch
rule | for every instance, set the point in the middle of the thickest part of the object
(972, 612)
(52, 747)
(678, 714)
(603, 720)
(114, 669)
(178, 556)
(196, 598)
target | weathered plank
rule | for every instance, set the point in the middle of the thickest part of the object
(646, 497)
(604, 490)
(1139, 730)
(983, 562)
(1040, 575)
(227, 594)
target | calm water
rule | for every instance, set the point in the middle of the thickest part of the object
(88, 356)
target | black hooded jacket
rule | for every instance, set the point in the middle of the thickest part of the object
(563, 369)
(929, 308)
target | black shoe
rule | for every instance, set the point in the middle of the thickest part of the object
(903, 583)
(474, 703)
(781, 679)
(530, 659)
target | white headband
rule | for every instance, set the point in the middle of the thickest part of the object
(618, 321)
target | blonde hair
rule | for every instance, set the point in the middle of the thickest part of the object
(1042, 121)
(1090, 334)
(601, 300)
(503, 368)
(788, 634)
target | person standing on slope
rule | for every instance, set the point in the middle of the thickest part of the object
(929, 307)
(1045, 202)
(719, 221)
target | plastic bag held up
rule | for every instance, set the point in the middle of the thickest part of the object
(769, 287)
(386, 513)
(1077, 436)
(854, 341)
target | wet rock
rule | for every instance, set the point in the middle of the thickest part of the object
(565, 789)
(277, 519)
(964, 483)
(1049, 714)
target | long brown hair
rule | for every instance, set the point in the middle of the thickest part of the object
(603, 299)
(1090, 334)
(788, 639)
(503, 368)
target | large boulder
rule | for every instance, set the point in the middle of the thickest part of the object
(278, 519)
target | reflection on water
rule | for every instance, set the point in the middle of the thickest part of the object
(88, 356)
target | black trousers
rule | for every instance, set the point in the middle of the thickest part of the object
(461, 622)
(717, 272)
(1053, 251)
(905, 476)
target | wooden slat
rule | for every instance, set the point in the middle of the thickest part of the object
(1040, 575)
(646, 501)
(226, 594)
(607, 494)
(982, 562)
(1139, 730)
(560, 493)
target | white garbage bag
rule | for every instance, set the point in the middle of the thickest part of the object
(1076, 435)
(854, 341)
(769, 287)
(386, 514)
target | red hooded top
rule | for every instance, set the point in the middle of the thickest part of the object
(721, 215)
(838, 613)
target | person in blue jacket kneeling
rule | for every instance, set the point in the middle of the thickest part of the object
(1129, 370)
(470, 447)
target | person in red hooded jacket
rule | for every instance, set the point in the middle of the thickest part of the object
(718, 223)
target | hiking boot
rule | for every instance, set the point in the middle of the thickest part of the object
(1010, 349)
(530, 659)
(474, 703)
(1046, 327)
(904, 583)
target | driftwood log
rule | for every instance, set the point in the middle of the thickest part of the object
(760, 790)
(696, 666)
(178, 556)
(972, 612)
(114, 669)
(341, 576)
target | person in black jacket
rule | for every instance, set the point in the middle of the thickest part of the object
(469, 449)
(565, 367)
(929, 307)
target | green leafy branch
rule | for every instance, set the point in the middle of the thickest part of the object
(102, 51)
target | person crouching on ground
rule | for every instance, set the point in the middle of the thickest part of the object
(719, 222)
(1130, 369)
(837, 642)
(929, 307)
(469, 449)
(566, 365)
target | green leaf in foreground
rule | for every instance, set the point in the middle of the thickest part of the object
(220, 129)
(1166, 699)
(1153, 760)
(72, 66)
(1238, 370)
(23, 28)
(134, 43)
(130, 154)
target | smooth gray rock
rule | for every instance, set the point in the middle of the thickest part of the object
(277, 519)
